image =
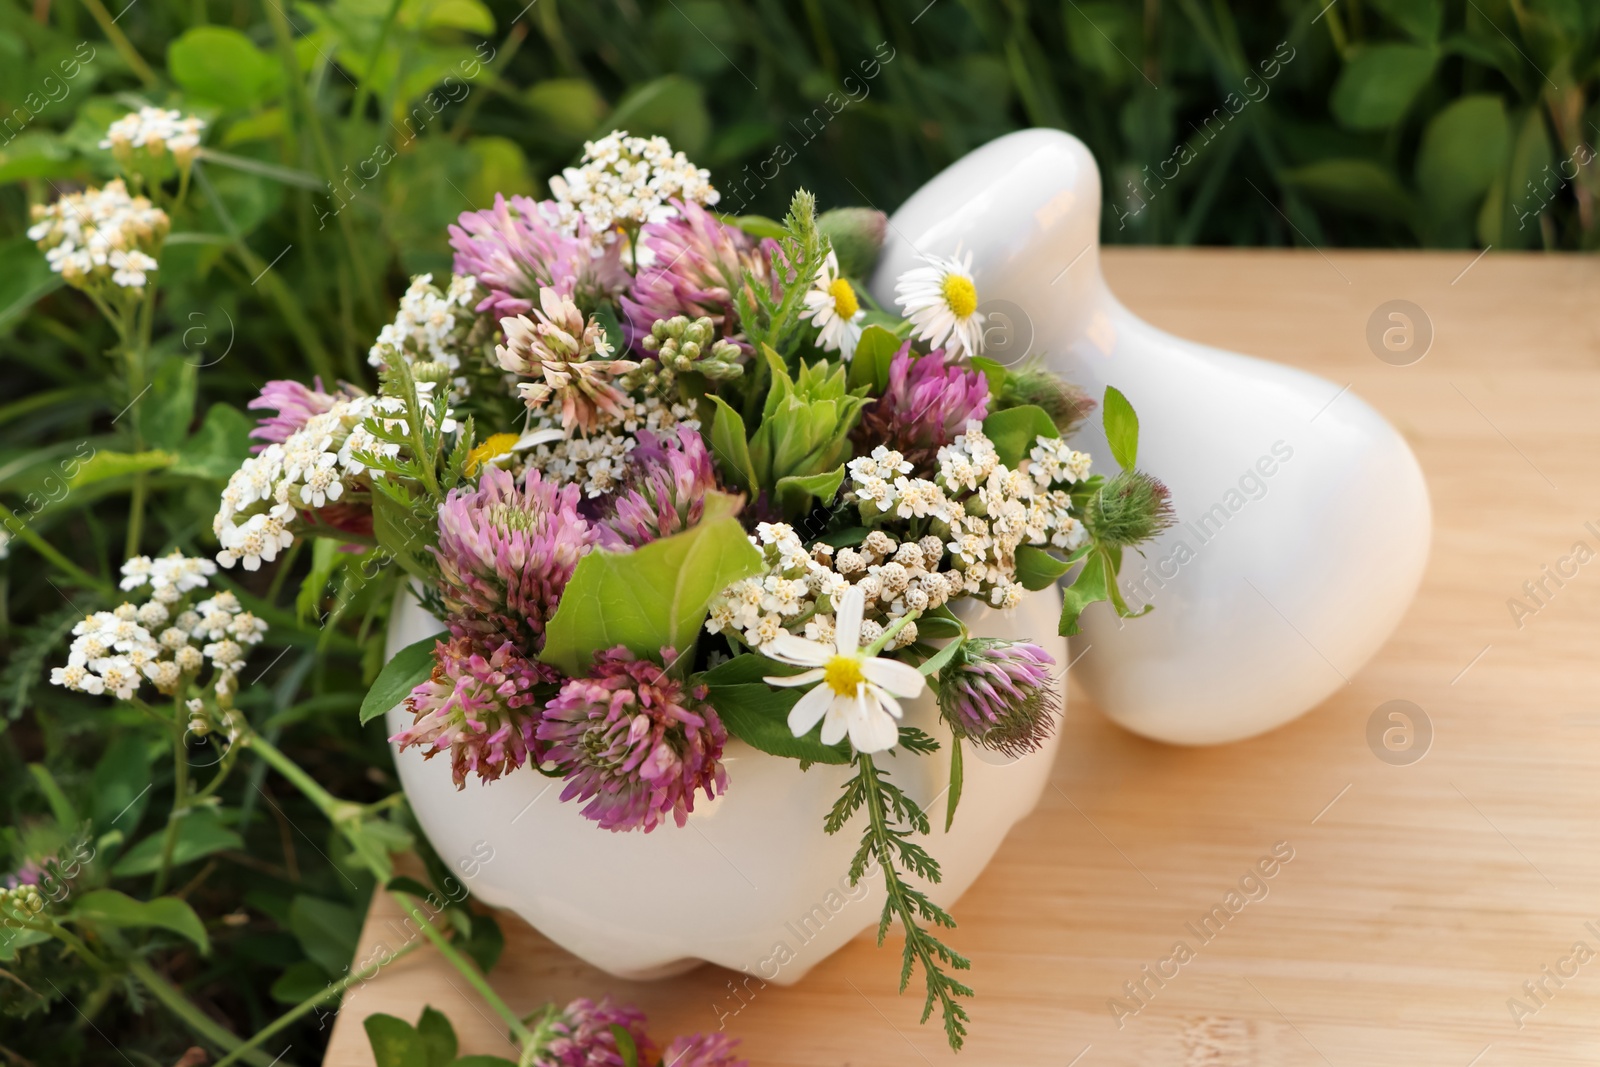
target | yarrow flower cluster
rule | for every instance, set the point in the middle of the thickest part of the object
(431, 325)
(625, 182)
(166, 640)
(157, 131)
(101, 237)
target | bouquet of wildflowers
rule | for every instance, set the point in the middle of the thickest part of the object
(669, 478)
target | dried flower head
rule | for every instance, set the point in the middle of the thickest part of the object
(569, 360)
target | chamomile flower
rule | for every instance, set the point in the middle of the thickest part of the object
(941, 301)
(851, 691)
(832, 307)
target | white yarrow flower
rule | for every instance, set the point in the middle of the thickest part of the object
(851, 692)
(941, 301)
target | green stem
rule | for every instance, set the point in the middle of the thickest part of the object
(20, 529)
(332, 991)
(120, 42)
(468, 971)
(198, 1021)
(180, 800)
(333, 809)
(888, 635)
(358, 106)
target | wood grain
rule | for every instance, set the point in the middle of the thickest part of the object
(1419, 899)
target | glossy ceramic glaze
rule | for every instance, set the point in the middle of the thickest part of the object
(751, 882)
(1305, 521)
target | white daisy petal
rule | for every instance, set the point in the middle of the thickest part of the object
(837, 721)
(901, 679)
(808, 709)
(847, 627)
(792, 648)
(790, 680)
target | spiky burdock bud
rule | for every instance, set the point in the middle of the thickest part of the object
(857, 235)
(1000, 695)
(1033, 383)
(1128, 509)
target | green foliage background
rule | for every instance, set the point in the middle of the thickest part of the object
(344, 136)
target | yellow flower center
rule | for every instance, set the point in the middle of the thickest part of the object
(843, 675)
(844, 298)
(960, 296)
(494, 446)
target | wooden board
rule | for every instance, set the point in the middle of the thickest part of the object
(1419, 899)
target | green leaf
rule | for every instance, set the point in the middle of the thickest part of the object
(994, 372)
(758, 226)
(409, 668)
(218, 447)
(104, 465)
(326, 930)
(875, 353)
(438, 1036)
(1378, 84)
(940, 623)
(1420, 19)
(1015, 431)
(25, 280)
(565, 109)
(758, 715)
(221, 66)
(395, 1042)
(200, 833)
(1463, 149)
(796, 491)
(121, 785)
(654, 597)
(1122, 428)
(107, 907)
(672, 106)
(956, 774)
(481, 1061)
(1356, 185)
(65, 814)
(301, 980)
(1038, 568)
(936, 662)
(1089, 587)
(731, 445)
(166, 415)
(746, 669)
(1511, 219)
(499, 166)
(405, 531)
(485, 941)
(625, 1045)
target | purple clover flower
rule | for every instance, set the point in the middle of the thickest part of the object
(581, 1035)
(697, 264)
(1001, 695)
(294, 403)
(517, 247)
(634, 742)
(667, 493)
(926, 405)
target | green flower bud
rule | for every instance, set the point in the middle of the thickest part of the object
(1130, 508)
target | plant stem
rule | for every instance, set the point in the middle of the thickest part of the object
(198, 1021)
(20, 529)
(332, 991)
(119, 40)
(468, 971)
(180, 797)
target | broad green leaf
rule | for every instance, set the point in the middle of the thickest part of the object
(409, 668)
(326, 930)
(758, 715)
(218, 447)
(200, 833)
(438, 1037)
(1356, 185)
(1511, 219)
(731, 445)
(940, 623)
(672, 106)
(1015, 431)
(65, 814)
(122, 785)
(165, 414)
(326, 556)
(498, 167)
(485, 941)
(405, 532)
(110, 908)
(222, 66)
(14, 941)
(874, 354)
(626, 1048)
(25, 280)
(935, 663)
(36, 154)
(302, 980)
(1463, 149)
(1418, 18)
(470, 16)
(758, 226)
(654, 597)
(103, 465)
(796, 491)
(746, 669)
(1089, 587)
(994, 372)
(1038, 568)
(1377, 85)
(395, 1042)
(1122, 428)
(565, 109)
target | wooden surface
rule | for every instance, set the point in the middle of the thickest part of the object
(1419, 899)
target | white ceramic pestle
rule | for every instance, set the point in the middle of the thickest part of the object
(1304, 518)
